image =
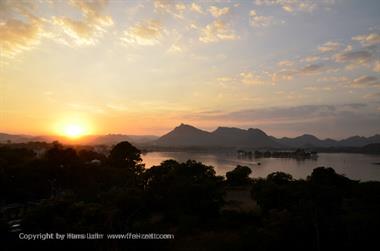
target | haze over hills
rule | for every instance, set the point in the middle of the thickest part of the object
(16, 138)
(187, 135)
(190, 136)
(108, 139)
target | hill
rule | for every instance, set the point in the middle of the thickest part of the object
(190, 136)
(187, 135)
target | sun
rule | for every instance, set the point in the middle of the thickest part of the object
(74, 131)
(73, 127)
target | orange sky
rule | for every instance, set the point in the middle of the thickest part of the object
(143, 67)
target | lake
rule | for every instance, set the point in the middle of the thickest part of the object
(354, 166)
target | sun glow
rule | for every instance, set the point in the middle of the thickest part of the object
(74, 131)
(73, 128)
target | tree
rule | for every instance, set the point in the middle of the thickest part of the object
(89, 155)
(238, 176)
(279, 178)
(60, 156)
(125, 155)
(179, 189)
(327, 176)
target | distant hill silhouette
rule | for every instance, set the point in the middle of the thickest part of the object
(185, 135)
(371, 148)
(15, 138)
(109, 139)
(188, 136)
(360, 141)
(307, 140)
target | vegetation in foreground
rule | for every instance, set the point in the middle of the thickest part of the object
(81, 191)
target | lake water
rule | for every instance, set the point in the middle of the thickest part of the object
(354, 166)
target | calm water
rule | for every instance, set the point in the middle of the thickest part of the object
(354, 166)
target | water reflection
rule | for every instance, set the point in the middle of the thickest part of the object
(354, 166)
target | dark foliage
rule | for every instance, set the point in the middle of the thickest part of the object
(125, 155)
(62, 191)
(239, 176)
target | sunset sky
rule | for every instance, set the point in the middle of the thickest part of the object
(288, 67)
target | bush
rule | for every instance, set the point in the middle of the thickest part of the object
(239, 176)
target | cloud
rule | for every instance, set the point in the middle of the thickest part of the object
(322, 120)
(310, 69)
(171, 7)
(225, 81)
(356, 57)
(20, 30)
(250, 78)
(277, 113)
(283, 75)
(289, 74)
(87, 30)
(376, 66)
(163, 5)
(74, 32)
(296, 5)
(373, 96)
(335, 79)
(368, 39)
(17, 36)
(311, 59)
(218, 12)
(365, 81)
(177, 46)
(287, 114)
(196, 8)
(217, 31)
(10, 9)
(329, 46)
(144, 33)
(91, 9)
(285, 63)
(258, 21)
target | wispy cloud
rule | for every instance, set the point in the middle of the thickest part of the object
(310, 69)
(217, 31)
(144, 33)
(368, 39)
(289, 74)
(218, 12)
(357, 57)
(286, 63)
(311, 59)
(176, 9)
(87, 30)
(329, 46)
(20, 30)
(297, 5)
(376, 66)
(17, 36)
(258, 21)
(321, 120)
(196, 8)
(365, 81)
(250, 78)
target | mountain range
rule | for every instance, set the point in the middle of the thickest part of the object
(188, 136)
